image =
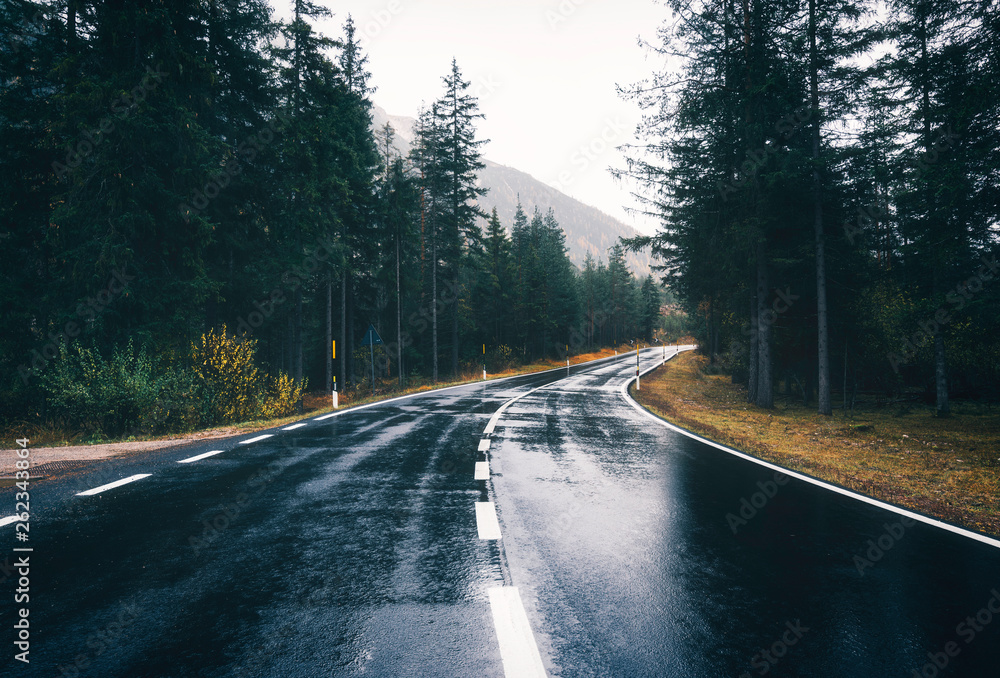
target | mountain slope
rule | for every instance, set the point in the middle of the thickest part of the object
(587, 228)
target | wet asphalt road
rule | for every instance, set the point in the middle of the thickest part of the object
(349, 547)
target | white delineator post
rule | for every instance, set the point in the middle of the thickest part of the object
(336, 399)
(637, 386)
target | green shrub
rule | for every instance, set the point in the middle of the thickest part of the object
(133, 394)
(231, 381)
(180, 405)
(281, 397)
(500, 359)
(91, 394)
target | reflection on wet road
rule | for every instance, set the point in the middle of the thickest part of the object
(350, 546)
(646, 553)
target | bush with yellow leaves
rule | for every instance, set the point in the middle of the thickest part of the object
(232, 382)
(235, 389)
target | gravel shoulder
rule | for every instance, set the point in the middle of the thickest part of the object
(50, 461)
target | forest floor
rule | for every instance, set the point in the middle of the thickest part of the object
(55, 449)
(947, 468)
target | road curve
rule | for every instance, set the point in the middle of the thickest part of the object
(643, 552)
(363, 544)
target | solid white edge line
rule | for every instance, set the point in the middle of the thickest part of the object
(294, 426)
(9, 519)
(518, 649)
(110, 486)
(793, 474)
(257, 439)
(199, 457)
(484, 445)
(482, 470)
(486, 520)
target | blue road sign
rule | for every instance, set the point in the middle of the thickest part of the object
(371, 337)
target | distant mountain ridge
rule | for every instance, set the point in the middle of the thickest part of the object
(587, 228)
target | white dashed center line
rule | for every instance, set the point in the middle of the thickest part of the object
(8, 520)
(482, 470)
(517, 645)
(206, 455)
(293, 427)
(486, 520)
(484, 445)
(110, 486)
(257, 439)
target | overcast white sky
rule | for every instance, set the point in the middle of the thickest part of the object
(544, 70)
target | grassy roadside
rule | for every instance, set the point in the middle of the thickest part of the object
(904, 455)
(314, 404)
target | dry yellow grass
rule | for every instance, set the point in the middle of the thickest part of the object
(946, 468)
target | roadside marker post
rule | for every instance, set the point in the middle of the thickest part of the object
(484, 362)
(336, 397)
(637, 387)
(567, 358)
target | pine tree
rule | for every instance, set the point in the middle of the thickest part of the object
(454, 117)
(499, 272)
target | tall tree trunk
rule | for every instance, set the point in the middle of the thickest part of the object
(399, 316)
(454, 328)
(329, 331)
(712, 348)
(298, 344)
(753, 362)
(71, 25)
(845, 376)
(823, 347)
(434, 307)
(290, 342)
(342, 365)
(940, 365)
(941, 375)
(349, 344)
(765, 385)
